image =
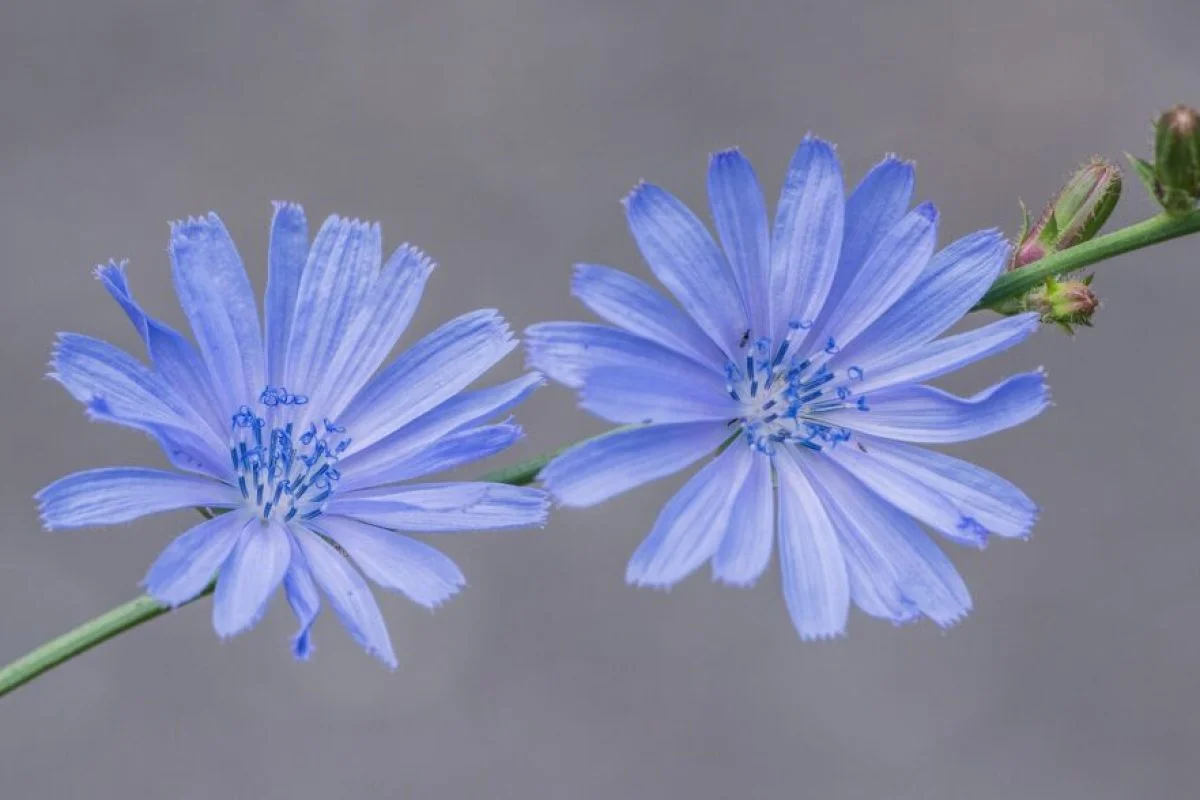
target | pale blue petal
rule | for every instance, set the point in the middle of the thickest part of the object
(912, 496)
(116, 388)
(363, 468)
(451, 451)
(929, 415)
(740, 214)
(631, 305)
(349, 596)
(445, 507)
(92, 370)
(898, 261)
(342, 265)
(683, 256)
(219, 302)
(897, 567)
(955, 279)
(994, 502)
(188, 565)
(597, 469)
(633, 395)
(389, 308)
(250, 576)
(878, 202)
(400, 563)
(302, 596)
(430, 372)
(286, 254)
(745, 548)
(173, 356)
(946, 355)
(690, 527)
(816, 586)
(120, 494)
(807, 238)
(567, 351)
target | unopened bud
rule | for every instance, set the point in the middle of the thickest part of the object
(1177, 157)
(1076, 214)
(1065, 303)
(1174, 177)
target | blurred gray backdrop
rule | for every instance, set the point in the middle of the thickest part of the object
(500, 137)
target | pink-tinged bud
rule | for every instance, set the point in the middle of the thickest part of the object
(1065, 303)
(1076, 214)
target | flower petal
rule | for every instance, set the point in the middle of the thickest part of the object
(924, 414)
(286, 254)
(683, 256)
(349, 596)
(219, 302)
(250, 576)
(745, 548)
(567, 351)
(815, 583)
(342, 265)
(120, 494)
(390, 307)
(994, 502)
(740, 215)
(188, 564)
(421, 573)
(302, 596)
(174, 357)
(913, 497)
(440, 507)
(451, 451)
(600, 468)
(955, 279)
(638, 395)
(943, 356)
(692, 523)
(430, 372)
(893, 266)
(633, 306)
(878, 202)
(365, 467)
(807, 238)
(91, 369)
(894, 566)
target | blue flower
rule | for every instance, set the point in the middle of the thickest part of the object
(291, 432)
(800, 358)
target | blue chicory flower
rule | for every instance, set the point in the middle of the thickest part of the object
(800, 358)
(292, 434)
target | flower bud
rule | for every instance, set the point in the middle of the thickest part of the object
(1177, 157)
(1075, 215)
(1065, 303)
(1174, 177)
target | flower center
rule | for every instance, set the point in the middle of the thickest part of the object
(784, 395)
(281, 471)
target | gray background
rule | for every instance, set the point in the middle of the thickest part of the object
(500, 136)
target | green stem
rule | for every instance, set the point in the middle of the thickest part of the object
(145, 608)
(1151, 231)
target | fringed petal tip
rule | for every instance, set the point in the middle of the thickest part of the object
(111, 271)
(638, 190)
(890, 159)
(723, 156)
(281, 206)
(822, 636)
